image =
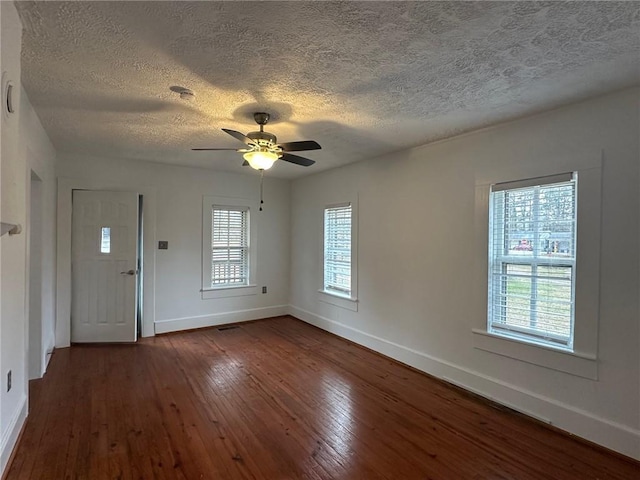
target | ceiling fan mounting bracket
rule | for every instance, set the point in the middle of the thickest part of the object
(261, 118)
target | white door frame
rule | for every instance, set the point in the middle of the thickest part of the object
(63, 280)
(35, 366)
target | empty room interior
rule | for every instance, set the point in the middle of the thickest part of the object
(320, 240)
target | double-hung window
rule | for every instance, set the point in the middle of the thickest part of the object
(532, 260)
(229, 246)
(337, 250)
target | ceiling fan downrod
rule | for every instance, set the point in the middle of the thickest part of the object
(261, 118)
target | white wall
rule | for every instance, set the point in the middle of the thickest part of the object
(25, 147)
(416, 267)
(40, 158)
(13, 404)
(173, 212)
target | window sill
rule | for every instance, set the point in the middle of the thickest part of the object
(576, 363)
(224, 292)
(349, 303)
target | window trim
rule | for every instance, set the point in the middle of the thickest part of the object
(251, 288)
(582, 361)
(349, 302)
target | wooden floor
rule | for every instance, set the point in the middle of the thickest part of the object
(277, 399)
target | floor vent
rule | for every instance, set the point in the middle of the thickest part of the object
(230, 327)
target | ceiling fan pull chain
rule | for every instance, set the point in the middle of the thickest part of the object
(261, 181)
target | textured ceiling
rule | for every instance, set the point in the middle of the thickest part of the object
(361, 78)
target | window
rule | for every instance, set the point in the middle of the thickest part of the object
(337, 250)
(105, 240)
(532, 260)
(229, 246)
(538, 268)
(228, 241)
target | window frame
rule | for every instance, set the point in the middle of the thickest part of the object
(250, 288)
(499, 261)
(582, 361)
(333, 297)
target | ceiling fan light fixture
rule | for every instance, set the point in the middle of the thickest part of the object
(261, 149)
(260, 160)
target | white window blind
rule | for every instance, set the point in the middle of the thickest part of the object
(229, 246)
(337, 249)
(532, 256)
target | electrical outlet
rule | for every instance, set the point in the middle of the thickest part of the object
(9, 380)
(264, 289)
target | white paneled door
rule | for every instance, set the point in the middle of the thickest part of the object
(104, 266)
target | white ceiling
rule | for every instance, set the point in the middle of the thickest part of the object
(361, 78)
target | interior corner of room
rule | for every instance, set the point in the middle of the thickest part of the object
(418, 219)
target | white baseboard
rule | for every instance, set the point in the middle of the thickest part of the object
(10, 435)
(187, 323)
(612, 435)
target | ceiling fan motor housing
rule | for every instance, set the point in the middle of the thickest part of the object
(264, 136)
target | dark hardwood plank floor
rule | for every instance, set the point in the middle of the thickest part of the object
(277, 399)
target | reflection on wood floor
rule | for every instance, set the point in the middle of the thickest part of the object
(277, 399)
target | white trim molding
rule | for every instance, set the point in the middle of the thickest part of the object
(12, 432)
(350, 303)
(575, 363)
(63, 256)
(582, 361)
(251, 205)
(202, 321)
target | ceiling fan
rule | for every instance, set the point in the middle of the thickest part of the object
(262, 149)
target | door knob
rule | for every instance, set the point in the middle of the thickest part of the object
(129, 272)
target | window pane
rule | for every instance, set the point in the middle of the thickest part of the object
(519, 222)
(554, 300)
(557, 214)
(517, 295)
(105, 240)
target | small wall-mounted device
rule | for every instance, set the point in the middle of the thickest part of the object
(163, 245)
(8, 95)
(9, 98)
(10, 228)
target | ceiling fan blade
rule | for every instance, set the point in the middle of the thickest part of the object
(305, 162)
(300, 146)
(239, 136)
(202, 149)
